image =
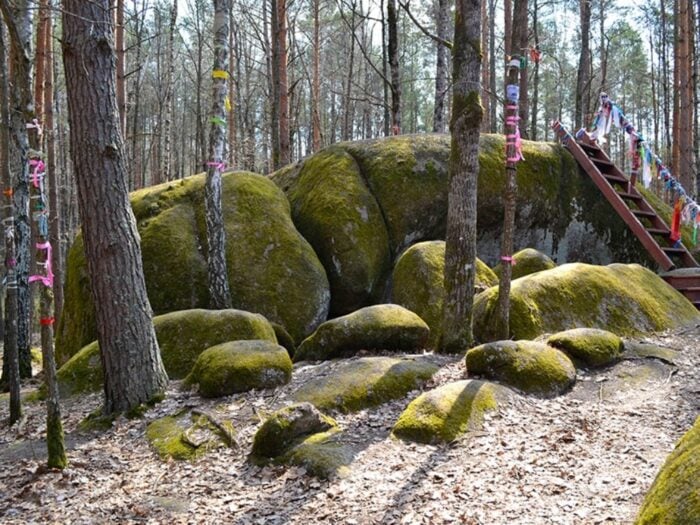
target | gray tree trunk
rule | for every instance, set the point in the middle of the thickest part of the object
(393, 50)
(133, 370)
(442, 17)
(583, 78)
(467, 112)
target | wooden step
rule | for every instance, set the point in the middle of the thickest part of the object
(673, 251)
(693, 294)
(682, 281)
(589, 147)
(615, 178)
(630, 196)
(646, 214)
(659, 231)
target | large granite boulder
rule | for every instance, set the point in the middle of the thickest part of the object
(360, 204)
(272, 269)
(623, 299)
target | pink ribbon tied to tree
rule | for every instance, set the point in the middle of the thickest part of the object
(514, 138)
(38, 171)
(46, 280)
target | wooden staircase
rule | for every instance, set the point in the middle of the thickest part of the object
(638, 214)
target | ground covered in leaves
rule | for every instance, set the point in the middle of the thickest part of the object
(584, 458)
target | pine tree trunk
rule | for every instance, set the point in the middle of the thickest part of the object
(10, 362)
(584, 66)
(511, 113)
(167, 168)
(535, 75)
(274, 71)
(316, 82)
(230, 106)
(492, 65)
(442, 18)
(385, 74)
(281, 41)
(460, 248)
(40, 60)
(133, 370)
(485, 71)
(393, 50)
(18, 19)
(121, 65)
(216, 236)
(520, 15)
(347, 95)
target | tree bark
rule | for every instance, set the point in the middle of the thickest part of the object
(285, 151)
(40, 60)
(167, 168)
(535, 75)
(316, 81)
(442, 18)
(583, 78)
(121, 65)
(219, 291)
(485, 71)
(467, 112)
(393, 50)
(133, 370)
(492, 65)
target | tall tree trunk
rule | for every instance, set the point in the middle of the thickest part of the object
(18, 18)
(393, 50)
(666, 80)
(347, 95)
(512, 157)
(274, 71)
(492, 65)
(40, 60)
(121, 65)
(583, 78)
(508, 27)
(167, 168)
(133, 370)
(536, 74)
(385, 73)
(460, 247)
(316, 82)
(485, 71)
(10, 362)
(281, 40)
(442, 18)
(231, 97)
(216, 236)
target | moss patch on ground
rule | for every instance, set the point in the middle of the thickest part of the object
(641, 350)
(590, 346)
(623, 299)
(674, 498)
(445, 413)
(379, 327)
(182, 337)
(366, 382)
(240, 366)
(417, 283)
(531, 367)
(527, 261)
(323, 455)
(272, 269)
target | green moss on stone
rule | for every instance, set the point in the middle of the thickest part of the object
(590, 346)
(534, 368)
(623, 299)
(165, 435)
(240, 366)
(272, 269)
(322, 455)
(445, 413)
(674, 498)
(379, 327)
(638, 349)
(527, 261)
(286, 427)
(284, 339)
(417, 283)
(366, 382)
(82, 373)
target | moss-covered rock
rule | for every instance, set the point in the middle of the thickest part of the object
(527, 261)
(366, 382)
(417, 283)
(240, 366)
(272, 269)
(361, 204)
(323, 455)
(674, 498)
(182, 337)
(284, 339)
(590, 346)
(623, 299)
(286, 427)
(531, 367)
(446, 412)
(187, 435)
(641, 350)
(379, 327)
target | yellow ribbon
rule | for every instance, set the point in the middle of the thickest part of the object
(227, 104)
(219, 73)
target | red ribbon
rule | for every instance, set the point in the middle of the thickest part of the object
(509, 260)
(47, 321)
(676, 222)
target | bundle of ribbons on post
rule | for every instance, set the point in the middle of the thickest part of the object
(685, 208)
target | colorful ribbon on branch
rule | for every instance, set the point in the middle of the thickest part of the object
(38, 171)
(688, 210)
(47, 278)
(514, 139)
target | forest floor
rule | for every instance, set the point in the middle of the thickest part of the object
(586, 457)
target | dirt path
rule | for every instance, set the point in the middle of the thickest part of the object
(584, 458)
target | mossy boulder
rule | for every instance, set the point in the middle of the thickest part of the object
(360, 204)
(366, 382)
(590, 346)
(240, 366)
(182, 337)
(623, 299)
(272, 269)
(527, 261)
(417, 283)
(443, 414)
(323, 455)
(187, 435)
(531, 367)
(379, 327)
(674, 498)
(286, 427)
